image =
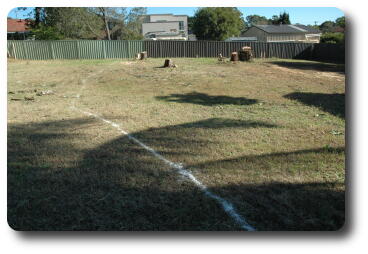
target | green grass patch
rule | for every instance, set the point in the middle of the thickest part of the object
(268, 136)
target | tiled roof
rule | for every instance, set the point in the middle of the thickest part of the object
(281, 29)
(17, 25)
(309, 29)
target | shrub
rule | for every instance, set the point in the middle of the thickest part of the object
(337, 38)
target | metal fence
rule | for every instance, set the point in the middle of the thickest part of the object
(88, 49)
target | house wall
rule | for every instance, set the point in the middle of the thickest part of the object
(255, 32)
(285, 37)
(160, 26)
(158, 18)
(262, 36)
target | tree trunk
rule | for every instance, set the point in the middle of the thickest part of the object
(106, 23)
(245, 54)
(143, 55)
(168, 63)
(234, 57)
(37, 16)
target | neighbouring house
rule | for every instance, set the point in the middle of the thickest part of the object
(18, 29)
(165, 27)
(284, 33)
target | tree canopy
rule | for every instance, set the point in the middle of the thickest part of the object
(218, 23)
(340, 22)
(283, 18)
(252, 20)
(87, 23)
(337, 26)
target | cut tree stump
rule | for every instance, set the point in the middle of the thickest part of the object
(168, 63)
(245, 54)
(234, 57)
(143, 55)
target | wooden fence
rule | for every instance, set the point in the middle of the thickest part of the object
(88, 49)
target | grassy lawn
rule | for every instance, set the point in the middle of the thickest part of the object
(267, 136)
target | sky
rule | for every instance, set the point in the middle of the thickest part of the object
(302, 15)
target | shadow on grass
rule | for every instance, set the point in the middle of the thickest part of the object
(54, 184)
(317, 66)
(331, 103)
(206, 100)
(283, 205)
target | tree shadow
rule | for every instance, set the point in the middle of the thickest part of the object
(206, 100)
(54, 184)
(283, 206)
(275, 205)
(316, 66)
(331, 103)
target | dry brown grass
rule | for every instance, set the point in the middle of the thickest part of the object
(267, 136)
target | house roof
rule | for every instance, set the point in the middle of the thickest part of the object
(158, 22)
(282, 29)
(309, 29)
(241, 39)
(165, 14)
(17, 25)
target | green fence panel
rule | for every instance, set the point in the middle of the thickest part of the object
(116, 49)
(90, 49)
(101, 49)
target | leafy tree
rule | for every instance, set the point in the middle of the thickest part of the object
(74, 22)
(252, 20)
(43, 32)
(274, 20)
(88, 23)
(283, 18)
(340, 22)
(112, 18)
(335, 38)
(118, 23)
(190, 23)
(133, 24)
(327, 26)
(217, 23)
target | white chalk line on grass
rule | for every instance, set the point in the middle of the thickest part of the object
(226, 205)
(83, 81)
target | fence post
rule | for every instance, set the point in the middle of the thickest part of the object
(77, 49)
(104, 48)
(25, 55)
(51, 48)
(15, 55)
(128, 49)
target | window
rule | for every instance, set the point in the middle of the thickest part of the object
(181, 25)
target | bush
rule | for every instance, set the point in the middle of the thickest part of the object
(43, 32)
(336, 38)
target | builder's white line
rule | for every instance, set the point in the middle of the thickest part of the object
(83, 81)
(226, 205)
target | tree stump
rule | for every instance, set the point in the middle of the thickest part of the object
(168, 63)
(143, 55)
(234, 57)
(245, 54)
